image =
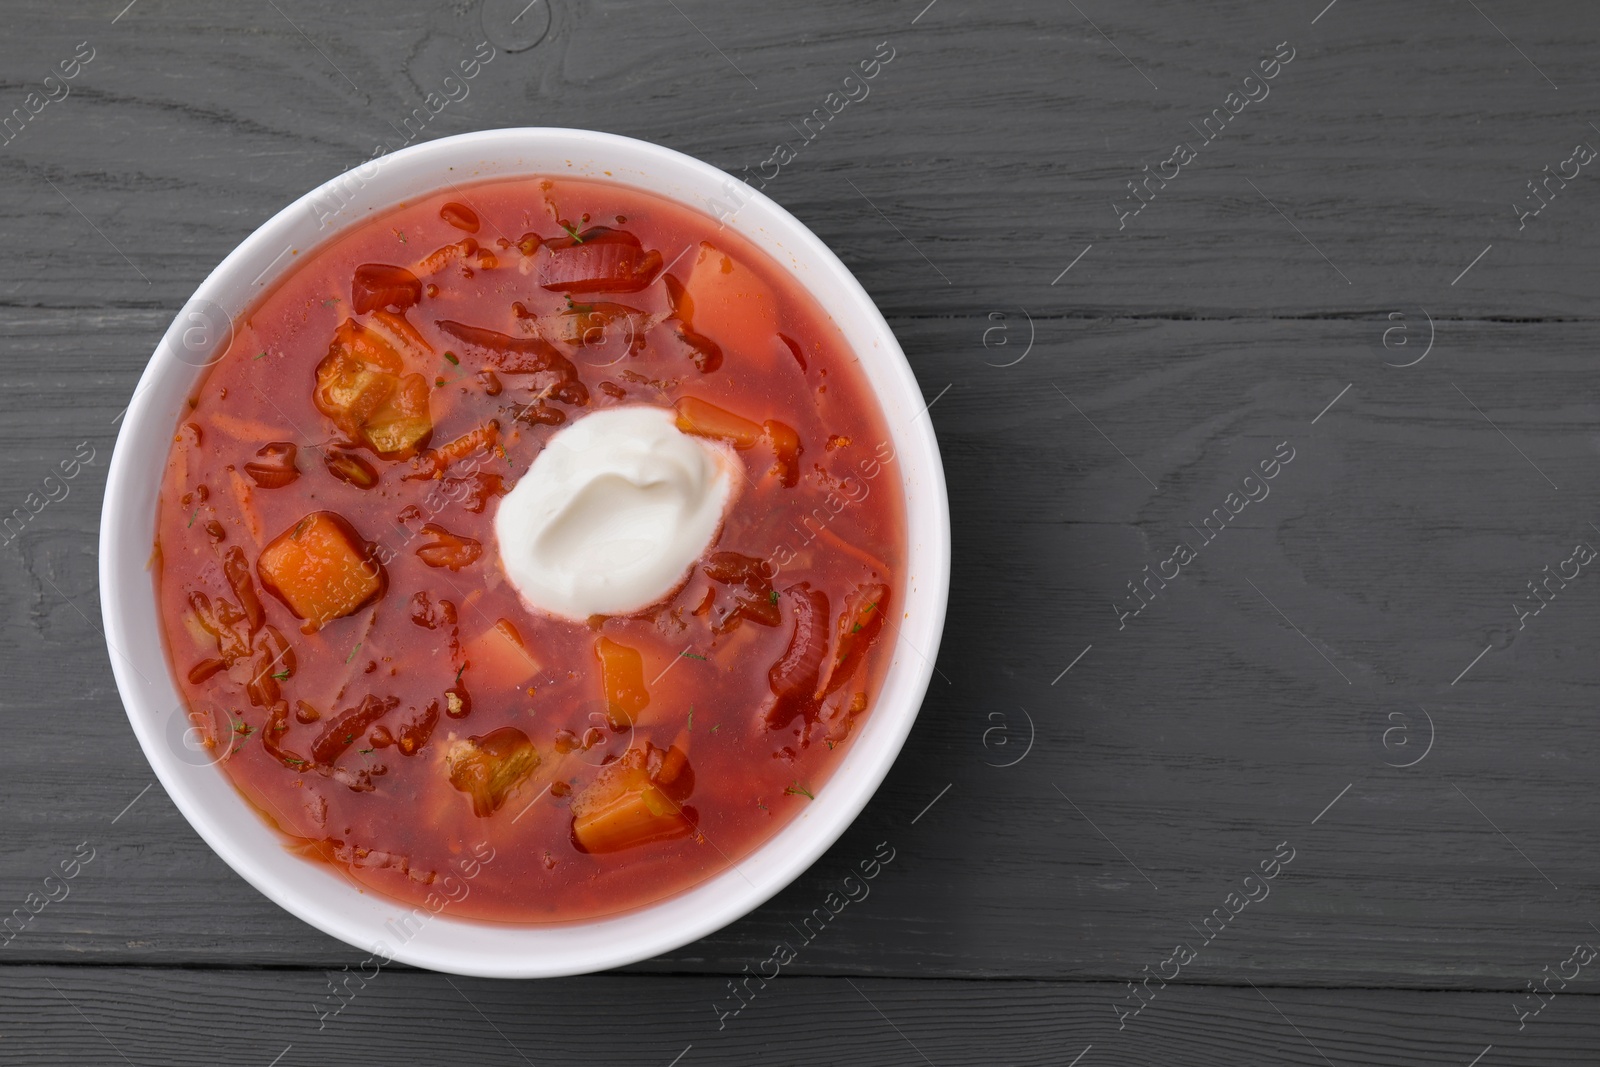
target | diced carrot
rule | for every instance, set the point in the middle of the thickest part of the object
(705, 419)
(622, 677)
(624, 807)
(320, 568)
(725, 301)
(499, 658)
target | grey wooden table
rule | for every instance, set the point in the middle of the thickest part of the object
(1322, 782)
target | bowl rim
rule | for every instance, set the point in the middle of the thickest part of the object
(472, 946)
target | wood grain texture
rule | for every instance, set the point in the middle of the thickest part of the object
(61, 1015)
(1087, 427)
(1196, 738)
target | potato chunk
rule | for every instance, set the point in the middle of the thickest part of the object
(361, 386)
(402, 422)
(727, 302)
(633, 801)
(499, 657)
(322, 569)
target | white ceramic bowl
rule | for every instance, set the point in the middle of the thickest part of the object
(315, 891)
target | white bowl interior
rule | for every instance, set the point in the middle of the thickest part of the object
(318, 893)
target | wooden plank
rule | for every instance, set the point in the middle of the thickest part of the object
(995, 145)
(1195, 739)
(81, 1014)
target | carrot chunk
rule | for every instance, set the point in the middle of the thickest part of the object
(628, 805)
(321, 568)
(622, 676)
(705, 419)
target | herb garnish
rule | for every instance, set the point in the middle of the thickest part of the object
(798, 790)
(282, 676)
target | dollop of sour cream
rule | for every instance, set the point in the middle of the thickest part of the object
(612, 513)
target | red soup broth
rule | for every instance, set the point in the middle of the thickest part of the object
(334, 604)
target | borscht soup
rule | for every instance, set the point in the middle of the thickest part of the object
(542, 519)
